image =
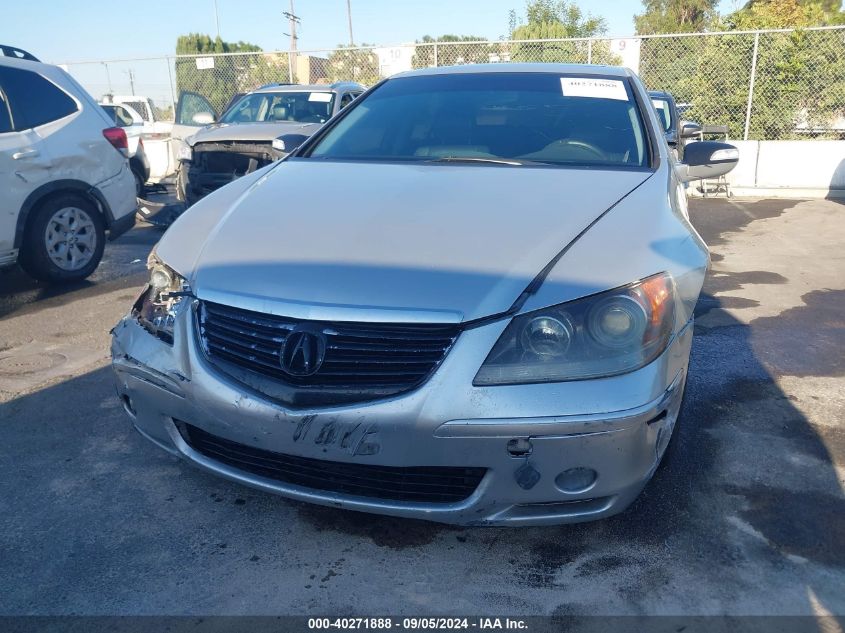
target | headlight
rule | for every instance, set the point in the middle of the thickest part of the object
(186, 152)
(157, 306)
(606, 334)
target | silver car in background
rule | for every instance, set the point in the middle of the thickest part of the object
(468, 298)
(244, 139)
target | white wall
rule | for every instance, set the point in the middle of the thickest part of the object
(813, 168)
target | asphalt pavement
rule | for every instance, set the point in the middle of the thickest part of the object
(748, 517)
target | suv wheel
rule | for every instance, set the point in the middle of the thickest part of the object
(64, 240)
(139, 184)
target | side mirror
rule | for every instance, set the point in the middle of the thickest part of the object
(289, 142)
(707, 159)
(672, 138)
(690, 129)
(203, 118)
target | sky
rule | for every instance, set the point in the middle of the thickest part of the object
(62, 31)
(66, 30)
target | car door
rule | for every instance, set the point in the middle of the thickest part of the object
(24, 159)
(186, 123)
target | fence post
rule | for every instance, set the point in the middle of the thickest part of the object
(172, 89)
(590, 51)
(751, 86)
(290, 67)
(435, 54)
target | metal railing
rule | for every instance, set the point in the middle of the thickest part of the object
(772, 84)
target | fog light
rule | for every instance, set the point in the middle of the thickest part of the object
(576, 479)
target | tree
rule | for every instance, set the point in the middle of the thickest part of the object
(558, 20)
(353, 63)
(783, 14)
(800, 82)
(228, 74)
(803, 88)
(453, 52)
(676, 16)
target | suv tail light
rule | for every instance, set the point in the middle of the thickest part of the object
(117, 137)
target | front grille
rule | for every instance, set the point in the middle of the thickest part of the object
(363, 361)
(218, 163)
(431, 484)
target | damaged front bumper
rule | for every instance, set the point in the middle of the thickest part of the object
(214, 165)
(543, 454)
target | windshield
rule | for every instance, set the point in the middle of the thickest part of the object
(664, 114)
(300, 107)
(490, 118)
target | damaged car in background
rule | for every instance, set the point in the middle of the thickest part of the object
(246, 137)
(493, 327)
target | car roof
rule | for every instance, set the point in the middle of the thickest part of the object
(335, 87)
(27, 64)
(563, 69)
(660, 94)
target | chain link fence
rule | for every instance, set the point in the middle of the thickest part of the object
(762, 85)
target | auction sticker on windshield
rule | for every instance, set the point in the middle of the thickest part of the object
(323, 97)
(593, 88)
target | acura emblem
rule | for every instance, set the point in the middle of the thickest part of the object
(303, 352)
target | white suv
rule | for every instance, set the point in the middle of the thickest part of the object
(64, 174)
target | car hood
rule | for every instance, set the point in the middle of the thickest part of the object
(251, 131)
(390, 242)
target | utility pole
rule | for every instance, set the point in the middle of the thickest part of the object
(216, 20)
(293, 20)
(131, 81)
(108, 76)
(349, 18)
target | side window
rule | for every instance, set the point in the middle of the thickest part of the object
(122, 117)
(33, 99)
(348, 98)
(5, 116)
(191, 104)
(141, 108)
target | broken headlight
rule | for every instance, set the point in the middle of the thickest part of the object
(185, 153)
(157, 307)
(606, 334)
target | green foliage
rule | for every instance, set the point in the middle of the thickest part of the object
(353, 63)
(800, 80)
(675, 16)
(556, 18)
(559, 19)
(230, 74)
(784, 14)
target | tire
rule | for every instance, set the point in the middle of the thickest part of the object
(139, 184)
(63, 218)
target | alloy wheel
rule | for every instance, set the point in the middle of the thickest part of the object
(70, 238)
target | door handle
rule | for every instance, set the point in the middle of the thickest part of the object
(27, 153)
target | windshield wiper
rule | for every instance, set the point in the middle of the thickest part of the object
(477, 159)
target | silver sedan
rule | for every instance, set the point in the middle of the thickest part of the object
(468, 298)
